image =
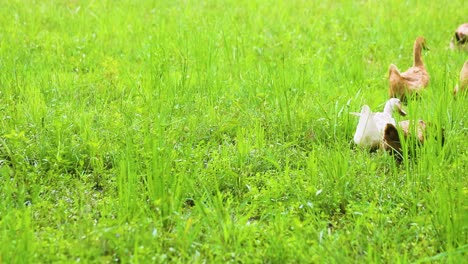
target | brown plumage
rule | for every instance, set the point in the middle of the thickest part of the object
(408, 130)
(414, 79)
(463, 79)
(460, 39)
(391, 141)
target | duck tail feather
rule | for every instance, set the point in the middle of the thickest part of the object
(393, 70)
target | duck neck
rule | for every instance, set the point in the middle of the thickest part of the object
(388, 109)
(417, 54)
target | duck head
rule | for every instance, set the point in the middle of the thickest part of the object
(460, 39)
(419, 45)
(392, 105)
(461, 34)
(421, 42)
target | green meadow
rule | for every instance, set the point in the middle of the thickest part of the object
(203, 131)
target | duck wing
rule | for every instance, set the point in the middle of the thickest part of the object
(367, 133)
(394, 74)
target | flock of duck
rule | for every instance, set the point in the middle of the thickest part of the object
(379, 130)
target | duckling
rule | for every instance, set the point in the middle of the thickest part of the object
(463, 79)
(411, 81)
(460, 39)
(369, 132)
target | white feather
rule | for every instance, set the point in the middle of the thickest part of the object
(370, 129)
(367, 133)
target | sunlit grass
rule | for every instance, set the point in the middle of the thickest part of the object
(219, 131)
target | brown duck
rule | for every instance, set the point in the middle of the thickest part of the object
(460, 39)
(412, 81)
(463, 79)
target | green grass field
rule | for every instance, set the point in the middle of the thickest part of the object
(219, 131)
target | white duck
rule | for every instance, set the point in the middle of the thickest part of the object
(370, 129)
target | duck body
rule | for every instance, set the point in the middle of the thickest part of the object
(421, 131)
(409, 127)
(463, 79)
(412, 81)
(367, 134)
(370, 128)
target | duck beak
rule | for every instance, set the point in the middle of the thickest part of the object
(425, 47)
(400, 110)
